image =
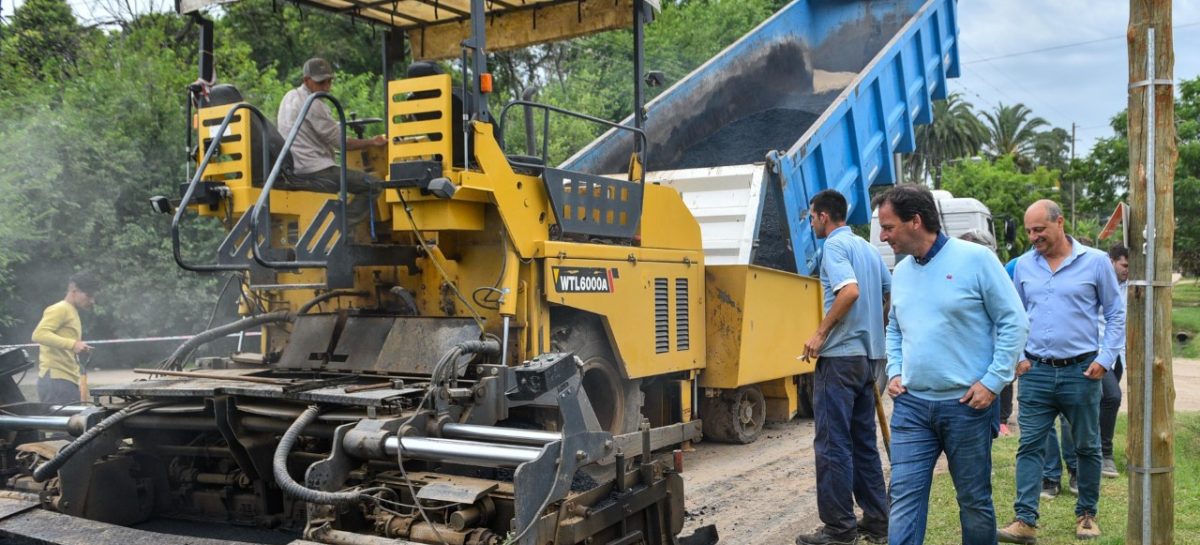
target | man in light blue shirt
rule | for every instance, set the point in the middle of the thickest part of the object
(1064, 286)
(856, 285)
(955, 333)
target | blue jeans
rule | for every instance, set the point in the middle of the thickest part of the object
(848, 464)
(921, 431)
(1052, 469)
(1046, 392)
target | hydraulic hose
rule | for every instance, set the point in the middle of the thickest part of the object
(175, 361)
(444, 369)
(50, 468)
(284, 479)
(327, 296)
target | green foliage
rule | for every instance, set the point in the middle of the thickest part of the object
(1088, 231)
(1052, 149)
(1102, 178)
(81, 156)
(594, 75)
(1002, 187)
(45, 36)
(1012, 130)
(281, 36)
(958, 133)
(1187, 234)
(1187, 177)
(955, 133)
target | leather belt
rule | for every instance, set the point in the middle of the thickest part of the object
(1061, 362)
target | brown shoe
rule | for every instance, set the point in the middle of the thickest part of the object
(1086, 527)
(1018, 531)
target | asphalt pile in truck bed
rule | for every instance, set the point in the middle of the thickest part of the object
(747, 140)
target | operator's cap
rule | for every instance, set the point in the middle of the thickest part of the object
(318, 69)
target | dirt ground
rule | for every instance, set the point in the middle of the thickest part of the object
(765, 492)
(1187, 385)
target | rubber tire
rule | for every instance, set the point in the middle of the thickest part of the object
(804, 402)
(736, 416)
(616, 400)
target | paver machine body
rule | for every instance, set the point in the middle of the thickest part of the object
(466, 366)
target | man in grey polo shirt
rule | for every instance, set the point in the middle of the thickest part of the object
(856, 286)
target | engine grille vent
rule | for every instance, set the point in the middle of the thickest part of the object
(662, 327)
(682, 339)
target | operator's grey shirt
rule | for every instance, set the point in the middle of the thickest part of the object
(319, 136)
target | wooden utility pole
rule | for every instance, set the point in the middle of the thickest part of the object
(1152, 154)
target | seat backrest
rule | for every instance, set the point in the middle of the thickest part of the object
(422, 69)
(223, 94)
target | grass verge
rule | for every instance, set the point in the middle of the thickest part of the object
(1185, 317)
(1057, 523)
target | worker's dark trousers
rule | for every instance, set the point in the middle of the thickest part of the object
(848, 464)
(1006, 398)
(1110, 403)
(57, 391)
(358, 185)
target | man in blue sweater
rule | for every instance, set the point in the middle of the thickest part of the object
(850, 336)
(955, 332)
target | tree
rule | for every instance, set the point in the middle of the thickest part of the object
(956, 132)
(281, 36)
(81, 156)
(1102, 176)
(595, 75)
(1052, 149)
(1002, 187)
(1187, 177)
(1012, 131)
(45, 35)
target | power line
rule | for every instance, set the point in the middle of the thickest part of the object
(1031, 95)
(1064, 46)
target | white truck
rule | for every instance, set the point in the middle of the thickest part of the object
(959, 215)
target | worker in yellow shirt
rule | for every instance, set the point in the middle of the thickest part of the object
(61, 338)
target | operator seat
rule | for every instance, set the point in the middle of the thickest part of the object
(224, 94)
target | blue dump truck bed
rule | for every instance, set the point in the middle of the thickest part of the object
(823, 93)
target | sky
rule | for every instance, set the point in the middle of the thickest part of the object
(1083, 84)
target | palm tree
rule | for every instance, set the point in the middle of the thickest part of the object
(1013, 130)
(956, 132)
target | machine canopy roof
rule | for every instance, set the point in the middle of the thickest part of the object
(436, 28)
